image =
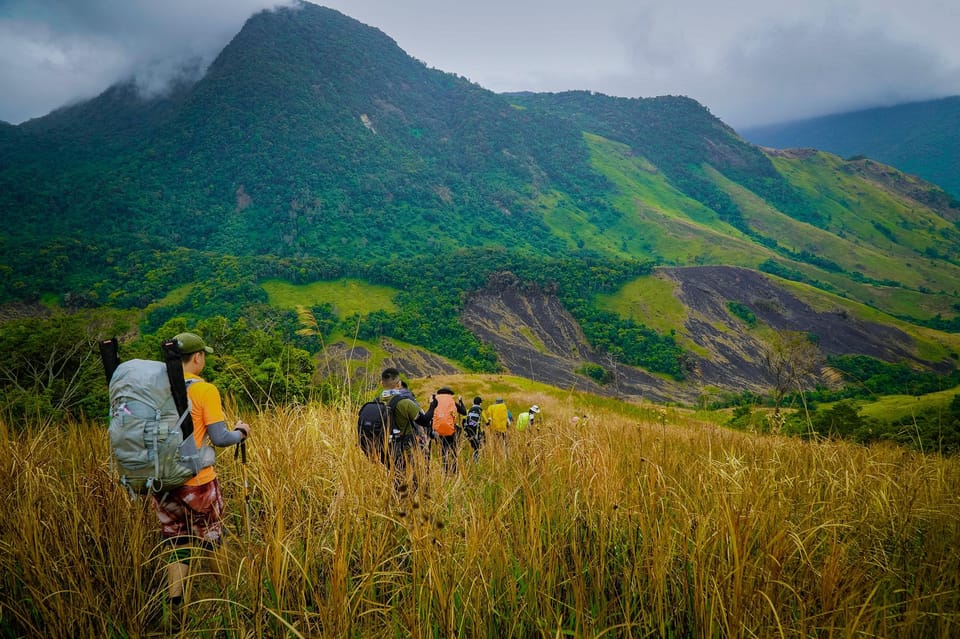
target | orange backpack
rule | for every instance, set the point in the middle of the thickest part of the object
(445, 416)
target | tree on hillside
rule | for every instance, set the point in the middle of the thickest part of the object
(52, 368)
(791, 360)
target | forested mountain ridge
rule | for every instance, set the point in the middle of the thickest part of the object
(314, 148)
(922, 138)
(307, 120)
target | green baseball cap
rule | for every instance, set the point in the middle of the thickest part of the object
(191, 343)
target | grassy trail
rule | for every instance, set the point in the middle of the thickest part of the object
(631, 523)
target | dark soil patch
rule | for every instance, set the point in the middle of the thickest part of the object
(535, 337)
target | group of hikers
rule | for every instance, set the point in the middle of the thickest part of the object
(393, 427)
(181, 481)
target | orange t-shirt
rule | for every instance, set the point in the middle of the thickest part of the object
(206, 409)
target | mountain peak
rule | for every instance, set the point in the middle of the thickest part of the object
(306, 47)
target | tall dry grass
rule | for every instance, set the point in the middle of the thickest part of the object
(650, 525)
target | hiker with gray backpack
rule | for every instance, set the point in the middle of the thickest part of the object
(162, 416)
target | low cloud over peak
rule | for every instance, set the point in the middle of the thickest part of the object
(749, 61)
(54, 53)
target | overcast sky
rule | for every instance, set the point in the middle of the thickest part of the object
(749, 61)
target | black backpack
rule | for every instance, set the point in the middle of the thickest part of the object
(373, 427)
(471, 423)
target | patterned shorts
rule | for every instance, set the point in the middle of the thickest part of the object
(191, 513)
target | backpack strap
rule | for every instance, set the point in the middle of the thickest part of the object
(391, 407)
(110, 356)
(178, 386)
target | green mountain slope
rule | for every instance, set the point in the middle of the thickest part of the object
(314, 149)
(697, 194)
(922, 138)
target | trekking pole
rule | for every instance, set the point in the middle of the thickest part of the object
(241, 451)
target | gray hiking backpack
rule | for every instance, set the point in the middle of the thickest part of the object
(151, 439)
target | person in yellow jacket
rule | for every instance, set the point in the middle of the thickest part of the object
(526, 419)
(500, 419)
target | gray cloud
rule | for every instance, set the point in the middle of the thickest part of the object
(803, 70)
(749, 61)
(54, 52)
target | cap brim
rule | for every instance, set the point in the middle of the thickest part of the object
(205, 349)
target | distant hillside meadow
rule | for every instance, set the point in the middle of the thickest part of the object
(344, 297)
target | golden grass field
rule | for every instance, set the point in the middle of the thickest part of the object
(634, 522)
